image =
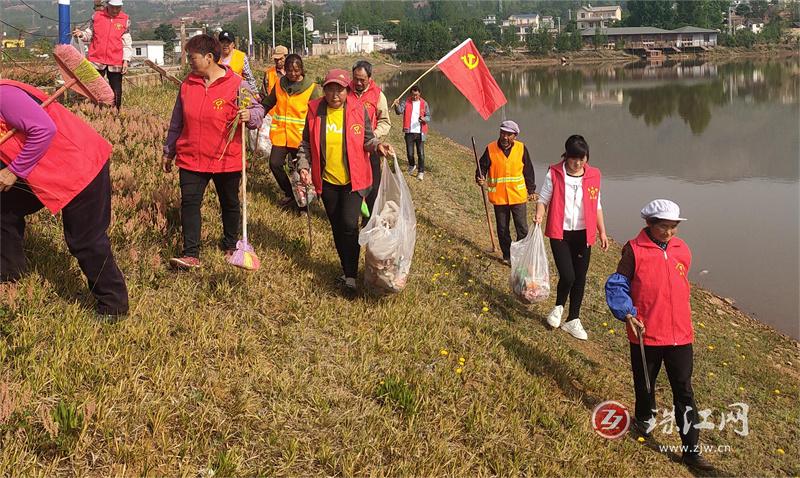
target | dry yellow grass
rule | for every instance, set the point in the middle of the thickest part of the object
(274, 373)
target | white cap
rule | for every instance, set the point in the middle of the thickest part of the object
(662, 209)
(115, 3)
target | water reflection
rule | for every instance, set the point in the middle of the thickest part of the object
(690, 90)
(721, 139)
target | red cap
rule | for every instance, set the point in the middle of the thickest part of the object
(338, 76)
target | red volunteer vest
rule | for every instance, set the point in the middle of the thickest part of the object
(107, 31)
(75, 156)
(660, 291)
(370, 98)
(206, 113)
(407, 115)
(591, 193)
(357, 159)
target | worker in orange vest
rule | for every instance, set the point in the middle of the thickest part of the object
(274, 73)
(288, 102)
(235, 59)
(506, 168)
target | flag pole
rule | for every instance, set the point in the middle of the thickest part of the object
(416, 81)
(483, 195)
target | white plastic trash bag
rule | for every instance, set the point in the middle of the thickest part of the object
(259, 138)
(390, 235)
(530, 276)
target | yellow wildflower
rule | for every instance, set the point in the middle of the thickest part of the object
(485, 309)
(443, 352)
(710, 347)
(459, 370)
(640, 440)
(780, 451)
(777, 392)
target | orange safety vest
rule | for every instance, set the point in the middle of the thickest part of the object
(236, 62)
(272, 79)
(506, 183)
(289, 117)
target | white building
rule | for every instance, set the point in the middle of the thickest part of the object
(490, 20)
(522, 24)
(598, 17)
(152, 50)
(364, 42)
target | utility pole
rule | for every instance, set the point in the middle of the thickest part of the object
(559, 25)
(305, 48)
(250, 32)
(273, 24)
(338, 49)
(183, 42)
(291, 32)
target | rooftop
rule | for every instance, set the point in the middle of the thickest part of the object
(644, 31)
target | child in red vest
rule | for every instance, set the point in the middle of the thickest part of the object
(416, 116)
(650, 292)
(572, 192)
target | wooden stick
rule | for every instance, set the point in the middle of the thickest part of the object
(416, 81)
(483, 195)
(44, 104)
(164, 73)
(244, 181)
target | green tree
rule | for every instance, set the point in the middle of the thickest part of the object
(772, 33)
(541, 42)
(166, 33)
(701, 13)
(568, 41)
(508, 37)
(599, 39)
(470, 28)
(758, 9)
(650, 13)
(419, 41)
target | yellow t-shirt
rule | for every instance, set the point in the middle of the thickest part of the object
(335, 167)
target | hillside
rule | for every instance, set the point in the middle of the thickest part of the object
(274, 373)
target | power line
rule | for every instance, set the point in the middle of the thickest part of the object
(27, 32)
(19, 65)
(41, 15)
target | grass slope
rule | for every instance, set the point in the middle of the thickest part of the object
(274, 373)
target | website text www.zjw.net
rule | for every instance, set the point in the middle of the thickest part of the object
(695, 449)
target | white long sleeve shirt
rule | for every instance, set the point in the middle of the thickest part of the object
(127, 47)
(573, 200)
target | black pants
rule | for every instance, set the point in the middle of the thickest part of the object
(86, 219)
(277, 159)
(193, 187)
(502, 215)
(571, 256)
(343, 207)
(115, 81)
(415, 140)
(375, 164)
(678, 361)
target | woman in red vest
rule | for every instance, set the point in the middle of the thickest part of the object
(198, 142)
(57, 161)
(334, 156)
(571, 192)
(111, 45)
(650, 292)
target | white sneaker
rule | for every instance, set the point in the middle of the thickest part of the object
(420, 176)
(412, 169)
(575, 329)
(554, 318)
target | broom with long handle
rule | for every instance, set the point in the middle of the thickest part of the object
(80, 76)
(244, 256)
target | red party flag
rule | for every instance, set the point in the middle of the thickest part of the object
(465, 67)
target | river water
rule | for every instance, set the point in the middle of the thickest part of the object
(722, 140)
